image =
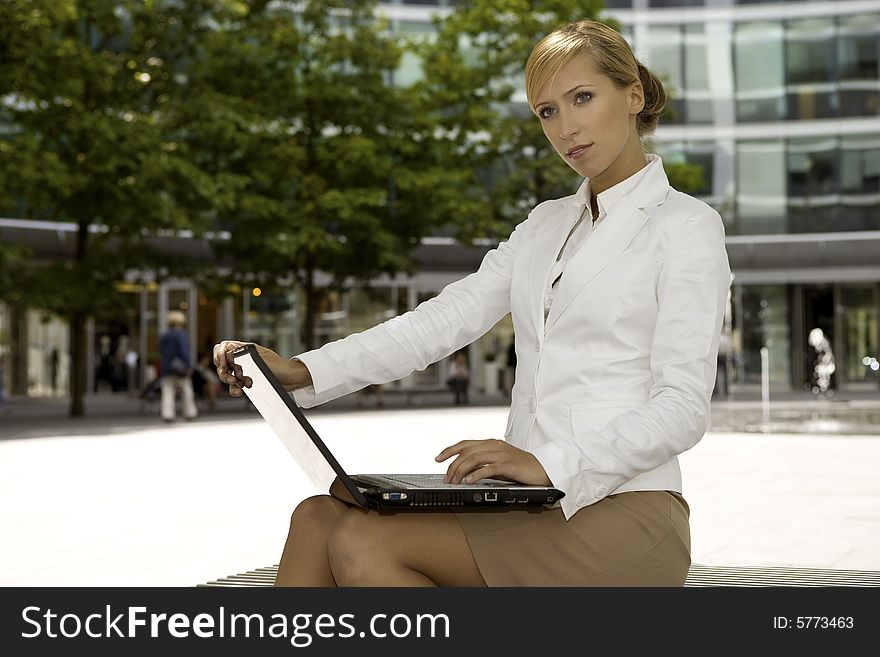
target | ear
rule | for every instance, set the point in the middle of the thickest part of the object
(636, 97)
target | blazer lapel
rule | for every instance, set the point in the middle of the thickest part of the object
(604, 246)
(548, 241)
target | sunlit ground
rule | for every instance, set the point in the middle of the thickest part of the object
(188, 503)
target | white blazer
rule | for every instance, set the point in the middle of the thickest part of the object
(619, 379)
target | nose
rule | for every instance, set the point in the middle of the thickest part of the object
(567, 127)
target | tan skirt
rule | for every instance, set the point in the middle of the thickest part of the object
(639, 538)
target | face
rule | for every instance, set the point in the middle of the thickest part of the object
(591, 123)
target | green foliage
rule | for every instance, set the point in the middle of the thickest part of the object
(277, 124)
(473, 71)
(84, 95)
(687, 178)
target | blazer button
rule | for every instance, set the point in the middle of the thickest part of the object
(533, 404)
(600, 492)
(581, 500)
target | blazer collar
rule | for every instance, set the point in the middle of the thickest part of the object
(647, 187)
(625, 207)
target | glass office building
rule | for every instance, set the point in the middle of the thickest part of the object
(777, 102)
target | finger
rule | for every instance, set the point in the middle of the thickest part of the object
(454, 449)
(454, 471)
(465, 464)
(221, 351)
(483, 472)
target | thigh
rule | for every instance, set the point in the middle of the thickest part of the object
(635, 538)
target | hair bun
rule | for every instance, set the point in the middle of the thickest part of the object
(655, 101)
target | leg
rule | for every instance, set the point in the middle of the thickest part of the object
(401, 549)
(190, 410)
(168, 394)
(304, 560)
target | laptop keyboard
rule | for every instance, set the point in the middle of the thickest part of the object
(423, 480)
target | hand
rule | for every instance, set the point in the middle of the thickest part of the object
(292, 374)
(479, 459)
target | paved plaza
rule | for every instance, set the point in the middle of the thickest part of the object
(119, 499)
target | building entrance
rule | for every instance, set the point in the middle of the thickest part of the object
(819, 352)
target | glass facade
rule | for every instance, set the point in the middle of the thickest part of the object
(859, 309)
(761, 320)
(778, 108)
(759, 71)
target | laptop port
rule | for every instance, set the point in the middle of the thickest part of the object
(491, 497)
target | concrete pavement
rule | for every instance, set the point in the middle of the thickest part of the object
(119, 499)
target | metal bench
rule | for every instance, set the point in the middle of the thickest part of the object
(699, 575)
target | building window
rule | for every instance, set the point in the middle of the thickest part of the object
(663, 56)
(810, 69)
(696, 93)
(859, 316)
(813, 198)
(759, 71)
(858, 56)
(698, 153)
(760, 187)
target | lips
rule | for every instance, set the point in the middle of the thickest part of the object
(577, 151)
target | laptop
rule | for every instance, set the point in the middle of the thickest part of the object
(377, 491)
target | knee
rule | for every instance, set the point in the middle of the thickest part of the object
(314, 511)
(354, 549)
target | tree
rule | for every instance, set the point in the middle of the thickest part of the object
(326, 156)
(82, 91)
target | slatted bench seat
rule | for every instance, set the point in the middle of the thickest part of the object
(699, 575)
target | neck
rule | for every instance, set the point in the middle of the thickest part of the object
(629, 161)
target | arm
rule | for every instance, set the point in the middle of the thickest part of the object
(692, 295)
(461, 313)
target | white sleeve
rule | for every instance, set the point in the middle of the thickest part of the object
(460, 314)
(692, 296)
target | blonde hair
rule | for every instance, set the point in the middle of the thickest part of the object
(611, 55)
(176, 318)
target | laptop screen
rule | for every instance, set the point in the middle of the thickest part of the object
(274, 409)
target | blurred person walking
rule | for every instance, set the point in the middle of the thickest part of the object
(176, 369)
(459, 378)
(3, 410)
(510, 369)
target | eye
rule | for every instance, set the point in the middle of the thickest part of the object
(582, 97)
(545, 112)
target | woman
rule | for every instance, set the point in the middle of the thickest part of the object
(617, 295)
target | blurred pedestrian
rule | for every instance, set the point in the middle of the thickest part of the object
(205, 382)
(2, 386)
(459, 378)
(53, 369)
(721, 376)
(176, 369)
(371, 390)
(510, 369)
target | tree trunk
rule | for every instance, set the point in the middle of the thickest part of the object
(78, 344)
(77, 364)
(308, 328)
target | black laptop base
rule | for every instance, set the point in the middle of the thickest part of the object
(424, 497)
